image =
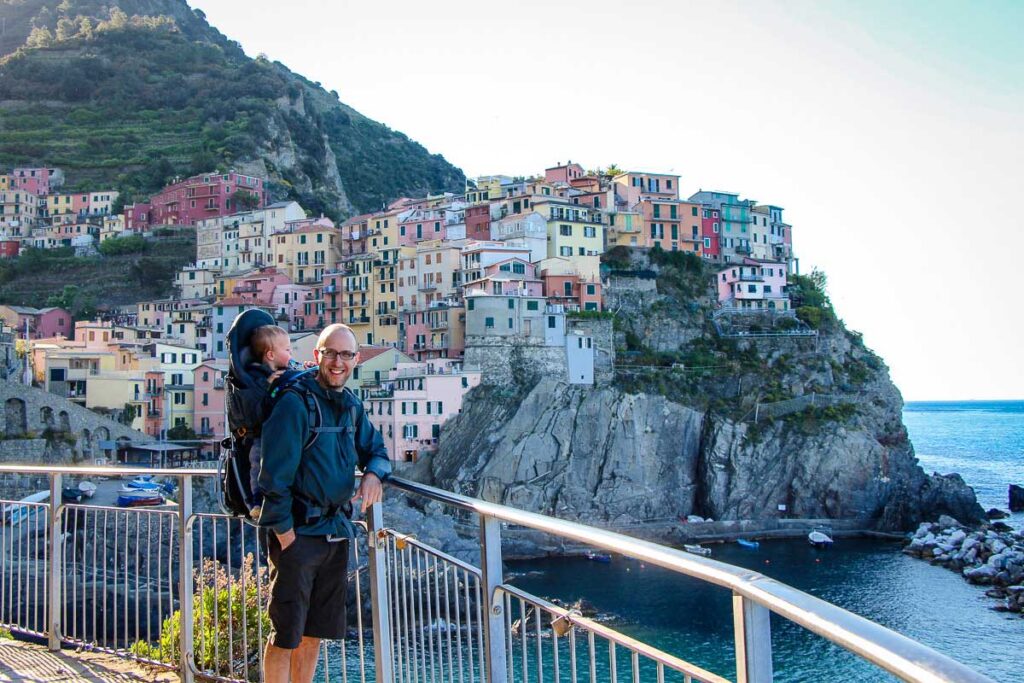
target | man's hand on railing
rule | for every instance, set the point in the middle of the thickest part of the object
(370, 490)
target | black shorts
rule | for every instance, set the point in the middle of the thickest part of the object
(308, 588)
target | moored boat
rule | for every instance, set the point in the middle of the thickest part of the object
(819, 539)
(14, 513)
(87, 488)
(697, 550)
(746, 543)
(139, 499)
(598, 557)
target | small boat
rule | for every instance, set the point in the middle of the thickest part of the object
(71, 494)
(139, 499)
(753, 545)
(146, 483)
(697, 550)
(14, 513)
(819, 539)
(87, 488)
(598, 557)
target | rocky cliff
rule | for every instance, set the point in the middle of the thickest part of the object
(682, 430)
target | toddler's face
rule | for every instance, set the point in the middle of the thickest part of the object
(280, 353)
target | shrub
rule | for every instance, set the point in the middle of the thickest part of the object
(222, 604)
(132, 244)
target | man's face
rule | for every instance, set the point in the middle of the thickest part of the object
(335, 369)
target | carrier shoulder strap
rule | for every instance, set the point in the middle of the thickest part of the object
(317, 418)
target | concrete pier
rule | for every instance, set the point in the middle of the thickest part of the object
(20, 661)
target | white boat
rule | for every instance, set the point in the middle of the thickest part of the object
(819, 539)
(87, 488)
(14, 513)
(697, 550)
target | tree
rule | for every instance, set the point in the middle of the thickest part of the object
(40, 37)
(65, 29)
(246, 201)
(181, 433)
(65, 300)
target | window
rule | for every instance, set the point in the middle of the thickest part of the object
(489, 323)
(551, 322)
(179, 398)
(565, 251)
(565, 230)
(469, 305)
(591, 290)
(510, 323)
(511, 303)
(519, 268)
(715, 227)
(206, 399)
(707, 243)
(567, 288)
(589, 231)
(532, 305)
(752, 289)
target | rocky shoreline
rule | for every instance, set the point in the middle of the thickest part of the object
(991, 555)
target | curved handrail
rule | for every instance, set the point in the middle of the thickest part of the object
(896, 653)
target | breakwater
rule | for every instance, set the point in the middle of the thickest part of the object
(985, 556)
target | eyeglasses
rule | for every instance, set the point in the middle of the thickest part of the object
(330, 355)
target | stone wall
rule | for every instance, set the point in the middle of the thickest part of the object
(28, 412)
(507, 361)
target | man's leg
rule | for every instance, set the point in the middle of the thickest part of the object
(304, 660)
(277, 663)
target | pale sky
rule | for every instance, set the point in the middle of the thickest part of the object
(890, 132)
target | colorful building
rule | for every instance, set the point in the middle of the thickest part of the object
(42, 323)
(202, 196)
(735, 222)
(753, 284)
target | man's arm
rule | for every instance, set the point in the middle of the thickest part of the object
(373, 461)
(284, 434)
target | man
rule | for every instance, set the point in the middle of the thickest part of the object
(307, 493)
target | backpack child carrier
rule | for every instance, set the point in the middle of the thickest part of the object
(249, 401)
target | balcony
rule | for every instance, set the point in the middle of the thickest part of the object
(152, 412)
(742, 249)
(330, 289)
(218, 383)
(358, 320)
(751, 278)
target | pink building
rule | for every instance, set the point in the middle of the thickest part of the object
(572, 291)
(710, 229)
(9, 248)
(202, 196)
(420, 225)
(436, 332)
(478, 222)
(753, 284)
(137, 216)
(153, 423)
(39, 181)
(563, 173)
(43, 323)
(412, 405)
(208, 411)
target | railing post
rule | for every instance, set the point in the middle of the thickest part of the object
(494, 610)
(185, 577)
(56, 561)
(380, 601)
(753, 635)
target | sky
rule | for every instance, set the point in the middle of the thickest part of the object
(891, 132)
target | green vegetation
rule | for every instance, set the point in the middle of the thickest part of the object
(223, 604)
(808, 294)
(181, 433)
(590, 315)
(37, 277)
(133, 244)
(812, 419)
(132, 101)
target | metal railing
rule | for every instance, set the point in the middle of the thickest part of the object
(189, 591)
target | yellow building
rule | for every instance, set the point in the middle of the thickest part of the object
(357, 284)
(575, 233)
(306, 249)
(625, 229)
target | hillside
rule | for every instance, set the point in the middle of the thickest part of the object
(130, 93)
(55, 277)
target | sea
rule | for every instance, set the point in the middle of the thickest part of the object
(982, 441)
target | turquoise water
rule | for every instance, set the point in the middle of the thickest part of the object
(982, 441)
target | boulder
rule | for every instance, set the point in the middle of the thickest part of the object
(947, 522)
(1016, 498)
(996, 513)
(983, 574)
